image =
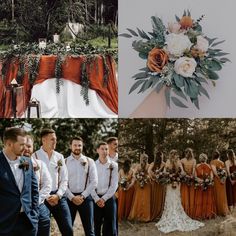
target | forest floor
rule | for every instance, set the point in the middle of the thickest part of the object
(219, 226)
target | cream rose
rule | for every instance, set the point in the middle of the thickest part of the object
(202, 44)
(177, 44)
(185, 66)
(174, 27)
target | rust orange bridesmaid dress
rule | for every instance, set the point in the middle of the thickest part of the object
(141, 207)
(157, 195)
(231, 189)
(220, 190)
(204, 199)
(188, 191)
(125, 196)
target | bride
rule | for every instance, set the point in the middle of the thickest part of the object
(174, 217)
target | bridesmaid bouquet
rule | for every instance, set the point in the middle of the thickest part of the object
(179, 57)
(188, 180)
(162, 177)
(222, 174)
(142, 178)
(207, 182)
(123, 183)
(233, 175)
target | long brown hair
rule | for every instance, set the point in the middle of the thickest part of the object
(173, 161)
(158, 159)
(188, 153)
(126, 166)
(231, 156)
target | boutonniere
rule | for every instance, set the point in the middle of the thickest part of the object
(83, 163)
(24, 165)
(59, 164)
(36, 168)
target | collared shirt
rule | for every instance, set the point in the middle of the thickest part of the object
(77, 175)
(115, 158)
(18, 174)
(104, 171)
(57, 169)
(44, 179)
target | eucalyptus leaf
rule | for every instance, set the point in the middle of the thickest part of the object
(136, 85)
(177, 18)
(167, 95)
(217, 43)
(203, 90)
(140, 75)
(212, 75)
(132, 32)
(195, 102)
(126, 35)
(159, 87)
(179, 80)
(143, 55)
(180, 93)
(178, 103)
(213, 65)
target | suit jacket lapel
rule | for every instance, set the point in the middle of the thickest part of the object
(6, 165)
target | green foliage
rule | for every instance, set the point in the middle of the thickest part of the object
(91, 130)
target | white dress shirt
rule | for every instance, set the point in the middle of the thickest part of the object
(44, 179)
(115, 158)
(58, 173)
(103, 188)
(17, 172)
(77, 175)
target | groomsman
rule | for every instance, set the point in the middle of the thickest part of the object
(56, 203)
(82, 180)
(105, 209)
(113, 148)
(45, 186)
(18, 187)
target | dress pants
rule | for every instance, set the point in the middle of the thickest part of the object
(86, 212)
(61, 213)
(105, 218)
(44, 221)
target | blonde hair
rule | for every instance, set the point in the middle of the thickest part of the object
(203, 157)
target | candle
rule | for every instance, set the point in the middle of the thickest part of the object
(56, 38)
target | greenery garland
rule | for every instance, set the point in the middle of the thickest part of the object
(28, 57)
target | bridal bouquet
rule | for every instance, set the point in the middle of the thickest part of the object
(142, 178)
(178, 56)
(222, 174)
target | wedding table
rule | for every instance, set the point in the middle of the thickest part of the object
(77, 97)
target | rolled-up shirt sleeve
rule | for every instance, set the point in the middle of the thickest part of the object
(63, 179)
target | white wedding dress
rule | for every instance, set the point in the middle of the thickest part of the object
(174, 217)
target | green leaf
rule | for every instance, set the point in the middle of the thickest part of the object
(143, 34)
(217, 43)
(180, 93)
(125, 35)
(212, 75)
(203, 90)
(184, 13)
(195, 102)
(220, 54)
(136, 85)
(223, 60)
(177, 18)
(159, 87)
(140, 75)
(167, 95)
(179, 80)
(145, 86)
(178, 103)
(189, 14)
(191, 88)
(211, 40)
(132, 32)
(143, 55)
(213, 65)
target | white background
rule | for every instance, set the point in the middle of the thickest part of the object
(219, 21)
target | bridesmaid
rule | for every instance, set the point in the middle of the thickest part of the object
(204, 199)
(141, 207)
(188, 191)
(219, 185)
(126, 190)
(157, 190)
(231, 182)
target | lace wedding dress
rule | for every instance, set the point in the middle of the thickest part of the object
(174, 217)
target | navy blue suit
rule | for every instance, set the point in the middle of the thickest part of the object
(11, 200)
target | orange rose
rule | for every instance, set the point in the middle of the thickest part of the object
(186, 22)
(157, 59)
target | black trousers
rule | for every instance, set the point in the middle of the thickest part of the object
(105, 218)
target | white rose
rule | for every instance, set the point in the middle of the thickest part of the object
(202, 44)
(185, 66)
(174, 27)
(177, 44)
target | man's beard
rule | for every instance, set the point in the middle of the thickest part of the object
(77, 152)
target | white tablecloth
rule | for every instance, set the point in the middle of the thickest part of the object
(68, 103)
